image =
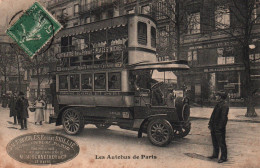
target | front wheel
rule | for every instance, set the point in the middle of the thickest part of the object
(160, 132)
(73, 121)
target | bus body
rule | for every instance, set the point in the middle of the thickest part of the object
(109, 81)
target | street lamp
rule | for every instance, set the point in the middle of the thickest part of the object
(251, 46)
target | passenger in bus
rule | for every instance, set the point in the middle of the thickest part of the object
(157, 95)
(112, 82)
(143, 81)
(87, 84)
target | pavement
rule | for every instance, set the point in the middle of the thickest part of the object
(235, 114)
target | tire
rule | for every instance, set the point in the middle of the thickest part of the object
(103, 126)
(160, 132)
(185, 112)
(73, 121)
(182, 131)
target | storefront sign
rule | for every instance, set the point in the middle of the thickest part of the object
(223, 69)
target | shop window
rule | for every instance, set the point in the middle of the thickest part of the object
(63, 82)
(74, 82)
(100, 81)
(142, 33)
(114, 81)
(222, 17)
(86, 81)
(153, 37)
(194, 23)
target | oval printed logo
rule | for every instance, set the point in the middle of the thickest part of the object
(42, 148)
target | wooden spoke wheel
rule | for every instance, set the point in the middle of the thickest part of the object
(160, 132)
(182, 131)
(73, 121)
(103, 125)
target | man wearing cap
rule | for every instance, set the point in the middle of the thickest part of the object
(217, 126)
(22, 110)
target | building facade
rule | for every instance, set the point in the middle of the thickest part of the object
(215, 57)
(215, 53)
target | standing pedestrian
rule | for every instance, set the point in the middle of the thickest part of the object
(22, 110)
(11, 105)
(39, 113)
(217, 126)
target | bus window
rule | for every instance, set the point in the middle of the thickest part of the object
(87, 60)
(100, 81)
(74, 82)
(86, 81)
(153, 37)
(142, 33)
(65, 62)
(74, 61)
(63, 82)
(114, 81)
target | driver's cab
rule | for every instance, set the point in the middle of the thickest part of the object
(148, 82)
(147, 89)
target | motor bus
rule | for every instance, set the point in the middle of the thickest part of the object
(108, 81)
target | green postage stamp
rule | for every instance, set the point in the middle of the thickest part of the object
(34, 29)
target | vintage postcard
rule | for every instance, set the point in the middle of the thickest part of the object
(129, 83)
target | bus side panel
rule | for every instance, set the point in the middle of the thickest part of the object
(107, 113)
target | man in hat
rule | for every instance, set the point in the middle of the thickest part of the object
(217, 126)
(22, 110)
(11, 105)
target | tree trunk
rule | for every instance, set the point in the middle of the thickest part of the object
(177, 26)
(5, 80)
(248, 85)
(38, 77)
(19, 73)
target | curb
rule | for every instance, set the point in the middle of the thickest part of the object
(233, 120)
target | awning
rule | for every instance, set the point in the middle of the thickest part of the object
(45, 83)
(95, 26)
(168, 76)
(161, 66)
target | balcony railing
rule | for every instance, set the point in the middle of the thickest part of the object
(84, 7)
(55, 2)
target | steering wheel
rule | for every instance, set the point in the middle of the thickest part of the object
(156, 85)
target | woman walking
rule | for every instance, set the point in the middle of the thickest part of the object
(39, 114)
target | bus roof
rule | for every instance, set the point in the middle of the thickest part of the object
(161, 66)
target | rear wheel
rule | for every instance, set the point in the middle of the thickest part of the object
(73, 121)
(103, 126)
(160, 132)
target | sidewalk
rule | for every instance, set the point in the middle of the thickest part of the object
(235, 114)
